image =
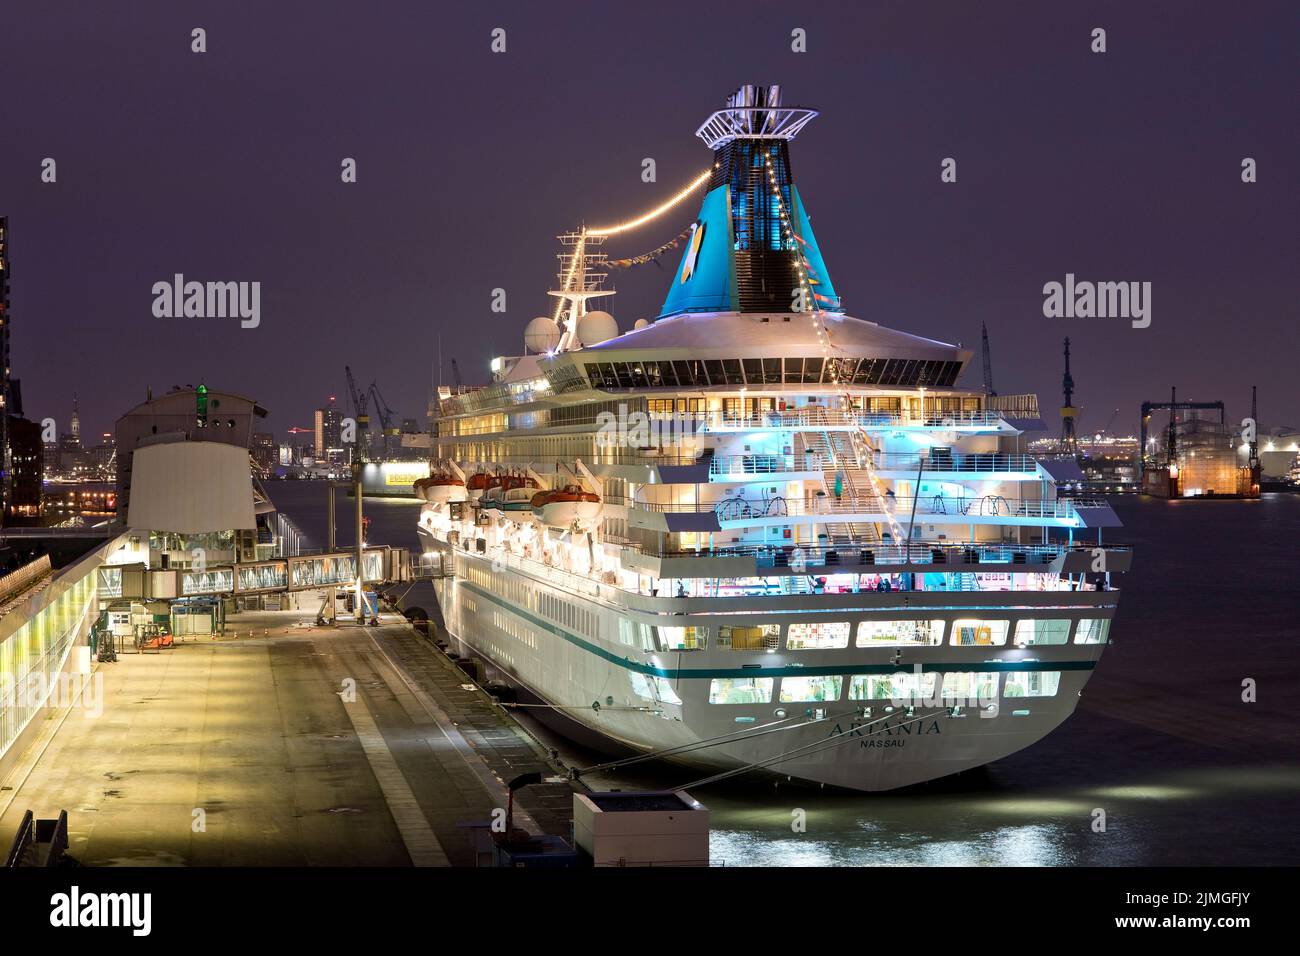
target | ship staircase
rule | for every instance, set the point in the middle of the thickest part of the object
(832, 453)
(796, 584)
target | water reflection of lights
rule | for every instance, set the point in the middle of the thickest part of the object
(1147, 792)
(1046, 829)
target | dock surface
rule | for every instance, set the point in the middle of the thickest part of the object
(253, 750)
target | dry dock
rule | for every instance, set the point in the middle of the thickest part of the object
(282, 745)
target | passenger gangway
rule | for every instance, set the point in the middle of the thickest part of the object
(310, 572)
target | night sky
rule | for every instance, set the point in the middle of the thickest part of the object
(1123, 166)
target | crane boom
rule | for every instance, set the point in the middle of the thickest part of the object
(384, 411)
(358, 398)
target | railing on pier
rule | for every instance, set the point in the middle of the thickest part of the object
(39, 843)
(16, 582)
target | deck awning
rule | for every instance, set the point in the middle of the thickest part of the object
(1063, 470)
(1100, 515)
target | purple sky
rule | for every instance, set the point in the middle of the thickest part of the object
(225, 166)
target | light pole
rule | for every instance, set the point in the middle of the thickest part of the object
(358, 464)
(331, 594)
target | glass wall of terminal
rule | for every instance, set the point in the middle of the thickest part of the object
(35, 640)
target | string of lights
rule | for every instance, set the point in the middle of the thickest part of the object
(655, 213)
(603, 231)
(808, 301)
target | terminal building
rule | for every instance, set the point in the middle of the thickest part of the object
(197, 539)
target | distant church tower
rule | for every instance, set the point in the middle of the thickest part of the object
(76, 422)
(1069, 440)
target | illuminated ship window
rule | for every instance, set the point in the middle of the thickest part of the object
(682, 638)
(875, 633)
(741, 690)
(695, 373)
(816, 636)
(1042, 631)
(972, 633)
(1092, 630)
(751, 637)
(969, 688)
(797, 689)
(1032, 684)
(903, 688)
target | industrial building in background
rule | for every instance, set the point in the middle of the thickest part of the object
(1195, 457)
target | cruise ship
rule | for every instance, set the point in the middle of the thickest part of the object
(755, 534)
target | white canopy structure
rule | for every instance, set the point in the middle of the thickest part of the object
(191, 487)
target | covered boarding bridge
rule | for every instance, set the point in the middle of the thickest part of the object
(193, 513)
(134, 580)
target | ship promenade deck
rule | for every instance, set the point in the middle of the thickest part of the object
(252, 733)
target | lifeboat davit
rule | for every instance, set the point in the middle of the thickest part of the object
(565, 507)
(440, 489)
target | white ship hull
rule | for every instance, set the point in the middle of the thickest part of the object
(856, 744)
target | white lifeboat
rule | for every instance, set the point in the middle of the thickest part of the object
(567, 506)
(439, 489)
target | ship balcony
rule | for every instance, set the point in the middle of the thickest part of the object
(824, 419)
(779, 590)
(738, 511)
(921, 557)
(742, 468)
(983, 466)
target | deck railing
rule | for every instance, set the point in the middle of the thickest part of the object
(742, 508)
(920, 552)
(895, 461)
(687, 423)
(755, 465)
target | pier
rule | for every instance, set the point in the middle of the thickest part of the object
(281, 743)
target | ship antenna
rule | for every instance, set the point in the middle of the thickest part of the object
(581, 278)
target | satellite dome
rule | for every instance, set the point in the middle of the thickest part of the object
(596, 327)
(541, 334)
(641, 324)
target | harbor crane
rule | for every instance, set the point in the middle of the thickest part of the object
(360, 400)
(357, 398)
(386, 417)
